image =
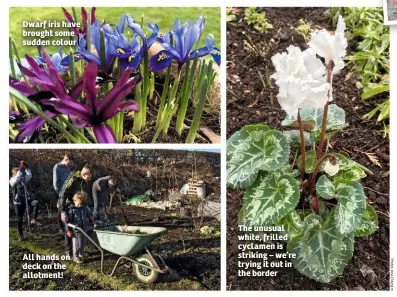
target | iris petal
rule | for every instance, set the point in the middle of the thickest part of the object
(104, 134)
(30, 127)
(161, 60)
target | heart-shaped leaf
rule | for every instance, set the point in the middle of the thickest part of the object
(269, 199)
(311, 161)
(325, 188)
(321, 252)
(294, 138)
(369, 222)
(259, 151)
(351, 175)
(350, 208)
(242, 135)
(292, 223)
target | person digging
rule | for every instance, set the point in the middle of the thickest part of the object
(76, 182)
(60, 173)
(100, 193)
(22, 199)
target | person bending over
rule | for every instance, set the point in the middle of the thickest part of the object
(100, 194)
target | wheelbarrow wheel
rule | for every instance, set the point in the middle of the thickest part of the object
(146, 275)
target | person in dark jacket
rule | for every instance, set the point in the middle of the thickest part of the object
(60, 173)
(77, 181)
(100, 194)
(80, 215)
(19, 180)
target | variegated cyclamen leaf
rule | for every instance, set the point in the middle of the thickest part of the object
(321, 252)
(350, 208)
(325, 188)
(268, 152)
(311, 161)
(312, 118)
(269, 199)
(369, 222)
(345, 163)
(242, 135)
(294, 139)
(292, 223)
(351, 175)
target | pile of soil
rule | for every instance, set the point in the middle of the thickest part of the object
(248, 103)
(186, 252)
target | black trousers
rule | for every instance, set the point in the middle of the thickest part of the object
(20, 212)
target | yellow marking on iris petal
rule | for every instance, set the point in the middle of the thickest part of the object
(215, 52)
(162, 57)
(129, 59)
(120, 51)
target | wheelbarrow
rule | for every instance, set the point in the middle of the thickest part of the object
(130, 243)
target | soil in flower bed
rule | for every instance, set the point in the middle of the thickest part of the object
(248, 103)
(193, 259)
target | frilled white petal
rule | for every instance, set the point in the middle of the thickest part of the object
(301, 79)
(313, 65)
(331, 47)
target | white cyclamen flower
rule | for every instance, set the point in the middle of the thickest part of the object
(301, 80)
(331, 47)
(331, 167)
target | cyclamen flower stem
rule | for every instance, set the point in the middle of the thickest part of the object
(312, 182)
(303, 148)
(330, 67)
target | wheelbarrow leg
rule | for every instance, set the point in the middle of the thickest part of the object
(151, 257)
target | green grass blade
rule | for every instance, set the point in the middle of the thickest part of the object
(163, 98)
(72, 68)
(102, 50)
(185, 97)
(40, 113)
(88, 39)
(198, 113)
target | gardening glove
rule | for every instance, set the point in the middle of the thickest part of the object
(69, 234)
(22, 165)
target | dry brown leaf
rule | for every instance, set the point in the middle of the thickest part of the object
(214, 138)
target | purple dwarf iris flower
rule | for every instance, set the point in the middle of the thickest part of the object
(84, 19)
(50, 84)
(155, 36)
(184, 37)
(84, 53)
(129, 53)
(208, 49)
(55, 60)
(96, 112)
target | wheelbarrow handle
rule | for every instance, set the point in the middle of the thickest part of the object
(73, 226)
(87, 236)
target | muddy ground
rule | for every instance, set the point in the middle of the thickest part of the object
(248, 103)
(194, 259)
